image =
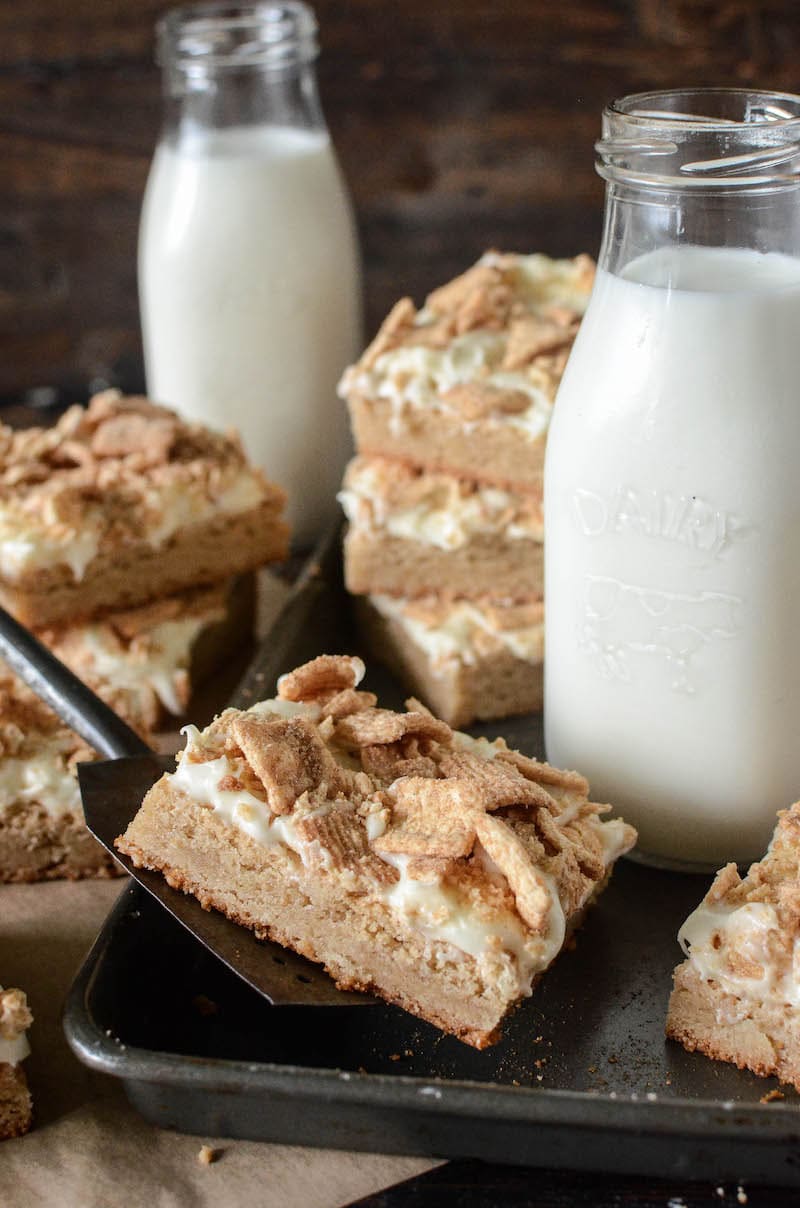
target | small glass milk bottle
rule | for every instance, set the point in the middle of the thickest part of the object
(672, 488)
(248, 263)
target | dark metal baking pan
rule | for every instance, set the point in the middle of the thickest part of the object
(582, 1079)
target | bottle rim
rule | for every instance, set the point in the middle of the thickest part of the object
(197, 37)
(725, 138)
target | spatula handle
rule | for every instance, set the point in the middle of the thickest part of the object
(81, 709)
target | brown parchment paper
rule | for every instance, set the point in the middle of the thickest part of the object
(88, 1147)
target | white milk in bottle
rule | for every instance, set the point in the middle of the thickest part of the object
(248, 264)
(672, 543)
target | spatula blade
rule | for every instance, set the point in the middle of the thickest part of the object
(112, 791)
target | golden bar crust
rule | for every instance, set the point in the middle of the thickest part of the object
(467, 384)
(36, 846)
(439, 441)
(439, 872)
(122, 502)
(736, 997)
(495, 683)
(376, 563)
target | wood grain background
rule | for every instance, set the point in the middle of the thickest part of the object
(460, 125)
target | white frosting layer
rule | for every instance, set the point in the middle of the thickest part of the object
(158, 664)
(713, 931)
(545, 282)
(483, 747)
(34, 550)
(453, 639)
(42, 778)
(287, 708)
(440, 913)
(613, 836)
(14, 1050)
(445, 522)
(181, 508)
(28, 546)
(417, 377)
(200, 781)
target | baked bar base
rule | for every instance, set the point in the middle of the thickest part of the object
(764, 1038)
(257, 886)
(227, 545)
(15, 1102)
(36, 846)
(499, 685)
(377, 563)
(492, 451)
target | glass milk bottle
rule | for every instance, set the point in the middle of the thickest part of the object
(248, 262)
(672, 482)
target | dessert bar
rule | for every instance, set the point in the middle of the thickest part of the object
(466, 385)
(469, 660)
(42, 832)
(122, 502)
(442, 873)
(736, 996)
(15, 1099)
(412, 532)
(146, 661)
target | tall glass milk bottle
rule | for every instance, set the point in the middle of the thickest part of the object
(248, 263)
(672, 482)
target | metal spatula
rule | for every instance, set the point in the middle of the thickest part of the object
(112, 792)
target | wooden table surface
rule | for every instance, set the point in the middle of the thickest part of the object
(460, 126)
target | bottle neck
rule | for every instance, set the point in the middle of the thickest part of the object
(244, 65)
(705, 167)
(248, 96)
(641, 220)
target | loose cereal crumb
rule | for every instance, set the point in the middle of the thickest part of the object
(207, 1155)
(741, 1195)
(204, 1005)
(771, 1096)
(394, 1056)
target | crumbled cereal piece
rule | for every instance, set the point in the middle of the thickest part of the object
(376, 726)
(327, 675)
(288, 756)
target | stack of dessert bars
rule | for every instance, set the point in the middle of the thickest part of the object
(127, 544)
(450, 407)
